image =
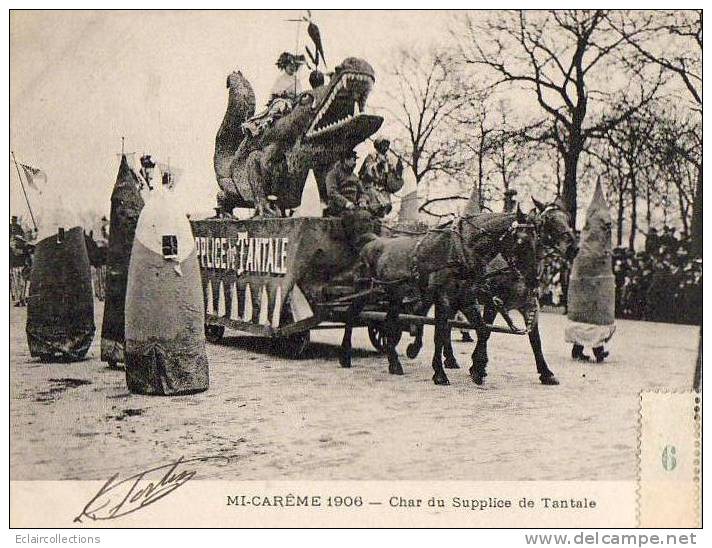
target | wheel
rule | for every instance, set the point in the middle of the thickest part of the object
(214, 333)
(377, 336)
(292, 346)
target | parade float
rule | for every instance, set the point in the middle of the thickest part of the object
(280, 274)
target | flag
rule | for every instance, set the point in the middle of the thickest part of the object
(33, 176)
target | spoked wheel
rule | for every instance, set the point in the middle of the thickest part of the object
(377, 335)
(292, 346)
(214, 333)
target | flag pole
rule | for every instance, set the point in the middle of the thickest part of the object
(29, 207)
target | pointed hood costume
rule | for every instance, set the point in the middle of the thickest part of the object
(473, 204)
(591, 297)
(126, 205)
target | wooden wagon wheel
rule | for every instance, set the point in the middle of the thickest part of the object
(377, 335)
(214, 333)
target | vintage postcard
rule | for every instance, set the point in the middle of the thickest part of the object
(313, 268)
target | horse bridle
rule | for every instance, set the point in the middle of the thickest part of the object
(540, 221)
(513, 227)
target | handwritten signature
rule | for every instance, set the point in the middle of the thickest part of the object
(118, 498)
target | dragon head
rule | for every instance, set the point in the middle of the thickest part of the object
(340, 104)
(332, 113)
(323, 124)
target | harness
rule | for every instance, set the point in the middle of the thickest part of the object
(458, 254)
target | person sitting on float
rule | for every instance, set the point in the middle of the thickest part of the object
(281, 99)
(381, 178)
(347, 199)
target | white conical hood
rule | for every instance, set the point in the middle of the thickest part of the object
(409, 203)
(473, 204)
(310, 205)
(160, 217)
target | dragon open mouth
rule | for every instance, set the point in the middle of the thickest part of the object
(346, 101)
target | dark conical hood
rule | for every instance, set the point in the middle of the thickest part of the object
(126, 176)
(124, 169)
(60, 308)
(126, 205)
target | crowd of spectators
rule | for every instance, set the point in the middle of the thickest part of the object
(662, 283)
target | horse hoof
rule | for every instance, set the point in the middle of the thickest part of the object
(452, 364)
(478, 379)
(441, 381)
(549, 381)
(412, 351)
(395, 370)
(345, 362)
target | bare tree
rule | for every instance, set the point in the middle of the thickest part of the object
(500, 146)
(514, 152)
(475, 127)
(611, 165)
(630, 140)
(562, 58)
(425, 102)
(679, 148)
(671, 40)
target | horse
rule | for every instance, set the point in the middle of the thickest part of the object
(511, 293)
(440, 267)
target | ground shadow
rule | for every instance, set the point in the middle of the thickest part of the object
(314, 350)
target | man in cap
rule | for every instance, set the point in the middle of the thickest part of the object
(348, 200)
(381, 178)
(652, 241)
(20, 261)
(147, 169)
(344, 190)
(510, 202)
(15, 228)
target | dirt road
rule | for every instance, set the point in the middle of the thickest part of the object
(309, 419)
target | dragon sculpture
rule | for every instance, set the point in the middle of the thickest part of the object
(324, 124)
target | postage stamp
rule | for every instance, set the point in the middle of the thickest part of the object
(670, 460)
(332, 268)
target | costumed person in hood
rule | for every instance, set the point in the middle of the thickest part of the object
(592, 290)
(126, 205)
(60, 307)
(60, 304)
(165, 315)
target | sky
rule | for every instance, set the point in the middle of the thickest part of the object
(79, 81)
